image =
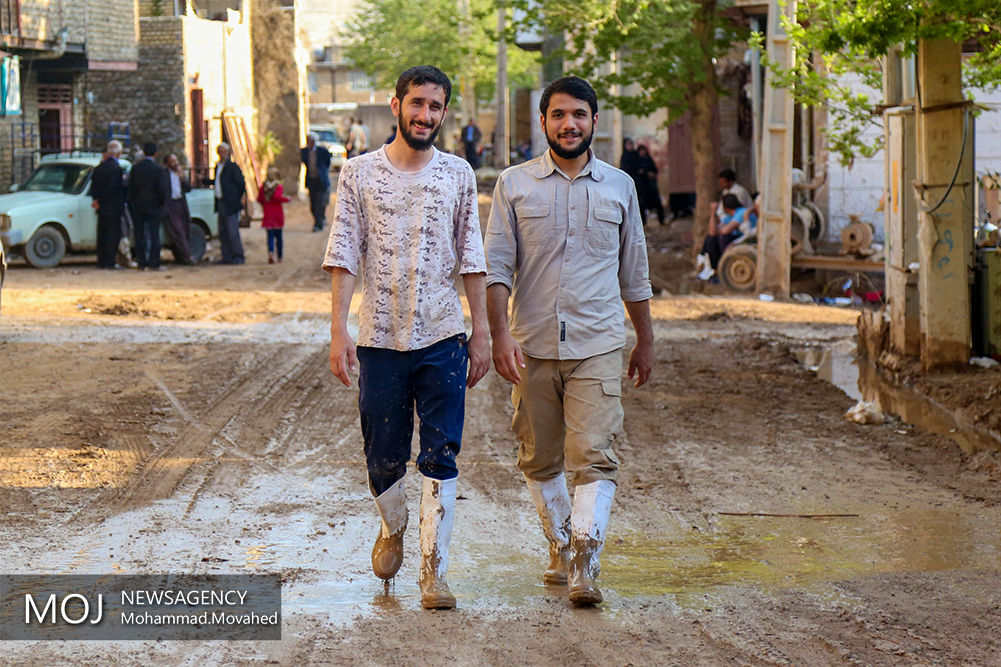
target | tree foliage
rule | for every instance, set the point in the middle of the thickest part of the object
(654, 42)
(841, 42)
(388, 36)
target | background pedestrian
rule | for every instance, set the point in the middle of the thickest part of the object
(271, 196)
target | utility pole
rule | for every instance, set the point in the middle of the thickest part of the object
(774, 245)
(502, 131)
(944, 191)
(900, 210)
(467, 84)
(616, 148)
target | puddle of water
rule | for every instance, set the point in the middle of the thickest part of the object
(774, 552)
(920, 410)
(836, 364)
(767, 553)
(263, 557)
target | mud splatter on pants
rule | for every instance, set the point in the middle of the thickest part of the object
(391, 385)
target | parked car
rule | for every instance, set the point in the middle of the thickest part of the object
(328, 137)
(50, 214)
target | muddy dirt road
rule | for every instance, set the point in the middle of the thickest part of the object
(185, 421)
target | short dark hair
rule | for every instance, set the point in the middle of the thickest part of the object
(575, 87)
(149, 149)
(731, 201)
(420, 75)
(728, 174)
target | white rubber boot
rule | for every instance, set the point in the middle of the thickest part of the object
(592, 505)
(387, 554)
(437, 518)
(552, 501)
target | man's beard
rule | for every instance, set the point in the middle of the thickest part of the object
(573, 152)
(412, 141)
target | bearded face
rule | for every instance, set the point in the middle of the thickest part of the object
(420, 115)
(569, 126)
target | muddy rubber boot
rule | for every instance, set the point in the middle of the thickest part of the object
(592, 504)
(552, 501)
(437, 517)
(387, 554)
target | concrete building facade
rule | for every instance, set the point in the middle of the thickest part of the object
(52, 47)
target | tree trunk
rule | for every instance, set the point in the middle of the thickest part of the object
(703, 99)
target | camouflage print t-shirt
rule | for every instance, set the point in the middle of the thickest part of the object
(407, 235)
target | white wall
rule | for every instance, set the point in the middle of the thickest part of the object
(857, 190)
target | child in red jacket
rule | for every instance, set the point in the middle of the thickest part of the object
(271, 198)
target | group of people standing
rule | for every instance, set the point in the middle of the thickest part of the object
(565, 244)
(154, 195)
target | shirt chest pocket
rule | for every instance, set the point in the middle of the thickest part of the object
(536, 227)
(602, 237)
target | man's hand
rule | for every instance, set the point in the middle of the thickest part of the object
(641, 358)
(478, 349)
(507, 357)
(95, 205)
(343, 356)
(641, 362)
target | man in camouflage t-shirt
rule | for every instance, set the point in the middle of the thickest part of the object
(406, 220)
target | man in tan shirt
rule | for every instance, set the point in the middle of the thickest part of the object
(565, 240)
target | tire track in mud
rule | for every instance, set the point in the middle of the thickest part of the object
(297, 406)
(162, 472)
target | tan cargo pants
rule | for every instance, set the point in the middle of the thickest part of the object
(567, 415)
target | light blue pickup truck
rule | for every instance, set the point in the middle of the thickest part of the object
(50, 214)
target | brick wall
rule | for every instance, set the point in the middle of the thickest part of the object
(150, 99)
(107, 27)
(176, 54)
(42, 19)
(112, 30)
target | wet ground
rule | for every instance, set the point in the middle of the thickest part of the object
(185, 421)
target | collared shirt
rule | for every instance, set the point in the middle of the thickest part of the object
(407, 234)
(176, 192)
(570, 251)
(218, 178)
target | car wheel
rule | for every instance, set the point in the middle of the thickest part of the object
(196, 242)
(45, 248)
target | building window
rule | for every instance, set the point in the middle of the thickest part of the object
(311, 81)
(359, 80)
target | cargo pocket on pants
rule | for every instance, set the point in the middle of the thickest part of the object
(613, 389)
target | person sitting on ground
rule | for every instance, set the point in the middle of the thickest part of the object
(728, 185)
(271, 197)
(731, 226)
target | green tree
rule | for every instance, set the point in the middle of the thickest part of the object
(665, 49)
(838, 42)
(388, 36)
